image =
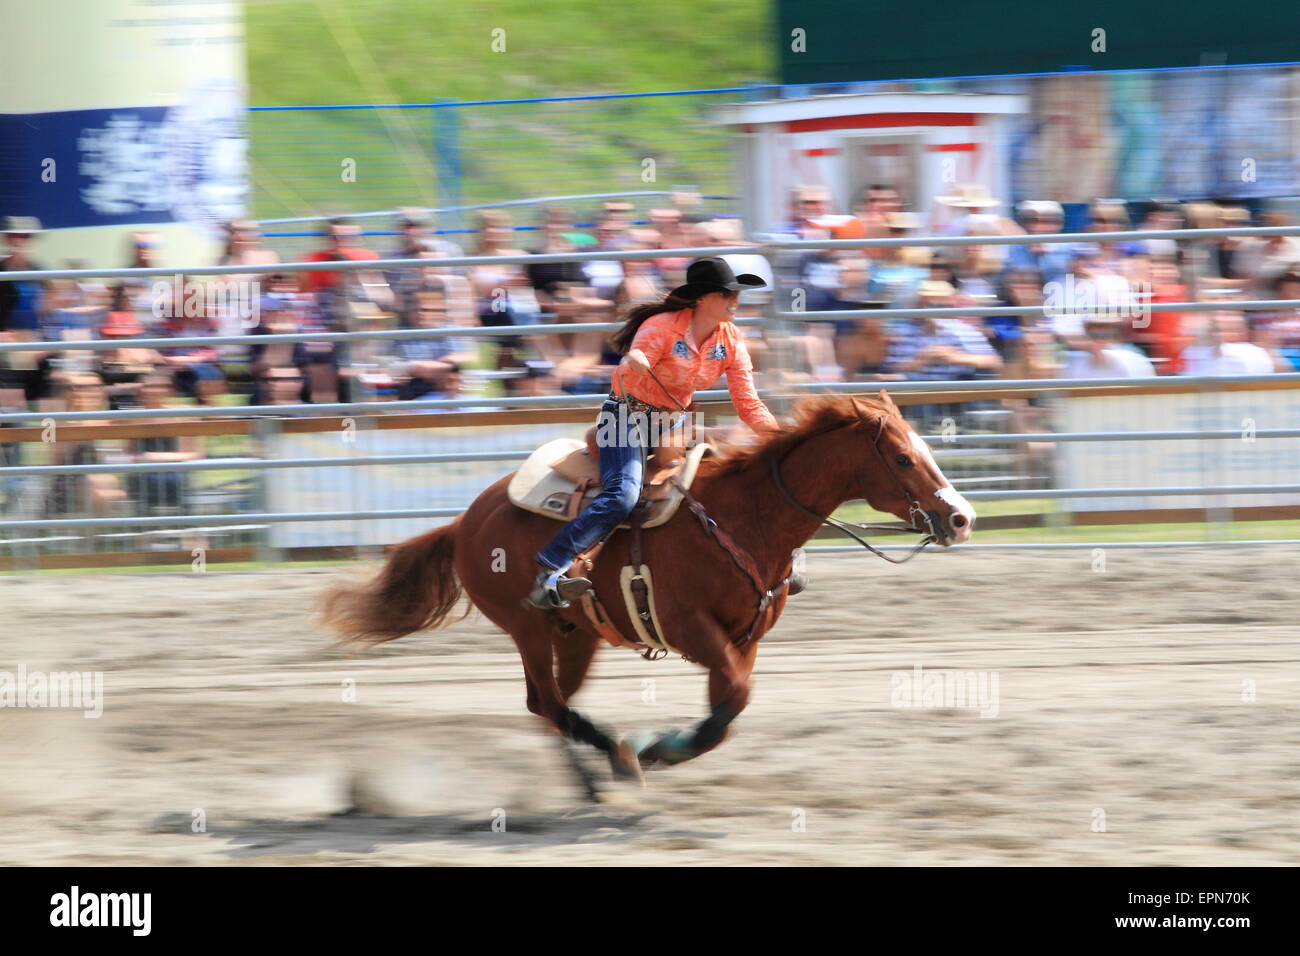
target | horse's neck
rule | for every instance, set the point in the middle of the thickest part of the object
(750, 506)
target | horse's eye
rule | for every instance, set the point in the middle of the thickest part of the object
(903, 461)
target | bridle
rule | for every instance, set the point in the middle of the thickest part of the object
(914, 509)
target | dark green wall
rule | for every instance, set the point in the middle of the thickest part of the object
(901, 39)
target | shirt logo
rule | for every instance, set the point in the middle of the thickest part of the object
(680, 350)
(719, 352)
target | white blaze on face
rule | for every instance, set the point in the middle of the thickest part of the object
(947, 494)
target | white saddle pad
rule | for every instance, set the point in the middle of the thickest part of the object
(536, 487)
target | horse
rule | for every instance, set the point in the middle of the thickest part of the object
(767, 499)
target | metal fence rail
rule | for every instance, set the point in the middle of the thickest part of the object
(373, 515)
(223, 464)
(1063, 546)
(592, 400)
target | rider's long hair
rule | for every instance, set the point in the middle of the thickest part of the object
(622, 339)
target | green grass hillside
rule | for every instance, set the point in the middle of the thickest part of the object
(308, 52)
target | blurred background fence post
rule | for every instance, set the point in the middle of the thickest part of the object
(264, 432)
(447, 161)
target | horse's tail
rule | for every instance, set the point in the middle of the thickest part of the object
(415, 590)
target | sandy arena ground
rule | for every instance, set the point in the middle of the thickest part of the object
(1147, 714)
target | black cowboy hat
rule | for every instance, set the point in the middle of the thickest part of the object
(714, 275)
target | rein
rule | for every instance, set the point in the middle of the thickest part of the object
(663, 389)
(833, 522)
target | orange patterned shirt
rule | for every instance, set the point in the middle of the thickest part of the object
(683, 366)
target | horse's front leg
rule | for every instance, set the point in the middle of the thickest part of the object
(729, 672)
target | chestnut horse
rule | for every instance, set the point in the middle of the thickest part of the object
(769, 497)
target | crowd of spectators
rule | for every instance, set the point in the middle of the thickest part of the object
(1097, 324)
(267, 302)
(1095, 319)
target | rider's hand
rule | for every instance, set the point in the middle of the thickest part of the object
(636, 359)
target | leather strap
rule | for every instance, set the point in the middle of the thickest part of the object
(590, 604)
(640, 590)
(575, 499)
(741, 558)
(738, 555)
(600, 619)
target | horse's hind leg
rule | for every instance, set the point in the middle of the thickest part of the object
(546, 700)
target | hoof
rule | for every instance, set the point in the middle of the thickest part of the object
(624, 763)
(666, 750)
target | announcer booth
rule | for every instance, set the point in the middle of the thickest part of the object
(923, 144)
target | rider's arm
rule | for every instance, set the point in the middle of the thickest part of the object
(653, 339)
(740, 382)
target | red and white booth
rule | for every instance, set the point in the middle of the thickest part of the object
(923, 144)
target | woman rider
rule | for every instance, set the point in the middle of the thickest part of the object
(670, 348)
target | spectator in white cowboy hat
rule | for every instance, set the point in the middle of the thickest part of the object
(976, 207)
(1050, 259)
(20, 302)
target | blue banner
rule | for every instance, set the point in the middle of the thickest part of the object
(122, 166)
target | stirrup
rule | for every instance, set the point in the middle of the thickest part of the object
(557, 590)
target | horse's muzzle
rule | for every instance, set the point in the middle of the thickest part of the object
(954, 529)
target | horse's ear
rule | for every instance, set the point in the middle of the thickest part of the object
(886, 400)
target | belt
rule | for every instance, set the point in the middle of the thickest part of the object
(637, 405)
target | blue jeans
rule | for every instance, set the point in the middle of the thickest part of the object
(622, 469)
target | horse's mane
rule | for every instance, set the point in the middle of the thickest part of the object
(814, 416)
